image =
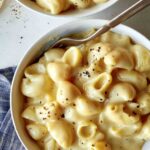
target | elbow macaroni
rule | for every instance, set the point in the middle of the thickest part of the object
(133, 77)
(55, 71)
(86, 107)
(98, 85)
(62, 132)
(73, 57)
(86, 130)
(67, 93)
(37, 131)
(58, 6)
(92, 97)
(122, 92)
(119, 58)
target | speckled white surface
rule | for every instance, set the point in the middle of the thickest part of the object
(20, 27)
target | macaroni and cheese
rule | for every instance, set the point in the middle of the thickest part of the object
(58, 6)
(94, 96)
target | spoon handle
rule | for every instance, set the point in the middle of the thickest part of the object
(135, 8)
(141, 4)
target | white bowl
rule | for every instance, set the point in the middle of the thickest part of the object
(74, 13)
(17, 99)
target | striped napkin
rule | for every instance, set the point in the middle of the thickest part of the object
(8, 137)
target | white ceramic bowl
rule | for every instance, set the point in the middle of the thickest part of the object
(17, 99)
(75, 13)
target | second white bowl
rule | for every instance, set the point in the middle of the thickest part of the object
(74, 13)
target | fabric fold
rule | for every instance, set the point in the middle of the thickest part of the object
(8, 137)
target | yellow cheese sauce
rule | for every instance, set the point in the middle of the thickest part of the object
(95, 96)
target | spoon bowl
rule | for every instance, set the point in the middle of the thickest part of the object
(132, 10)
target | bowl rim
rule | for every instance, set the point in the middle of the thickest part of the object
(22, 60)
(84, 14)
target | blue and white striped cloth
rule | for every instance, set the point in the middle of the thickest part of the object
(8, 137)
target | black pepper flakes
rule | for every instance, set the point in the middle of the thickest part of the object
(134, 113)
(52, 105)
(15, 11)
(80, 74)
(45, 108)
(48, 112)
(91, 49)
(62, 116)
(99, 48)
(101, 99)
(86, 73)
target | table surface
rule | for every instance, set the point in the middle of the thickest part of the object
(20, 28)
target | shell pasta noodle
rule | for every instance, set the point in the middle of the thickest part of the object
(59, 6)
(95, 96)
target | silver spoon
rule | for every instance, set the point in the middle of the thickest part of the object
(135, 8)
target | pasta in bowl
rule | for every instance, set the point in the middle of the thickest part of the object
(58, 6)
(85, 97)
(67, 8)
